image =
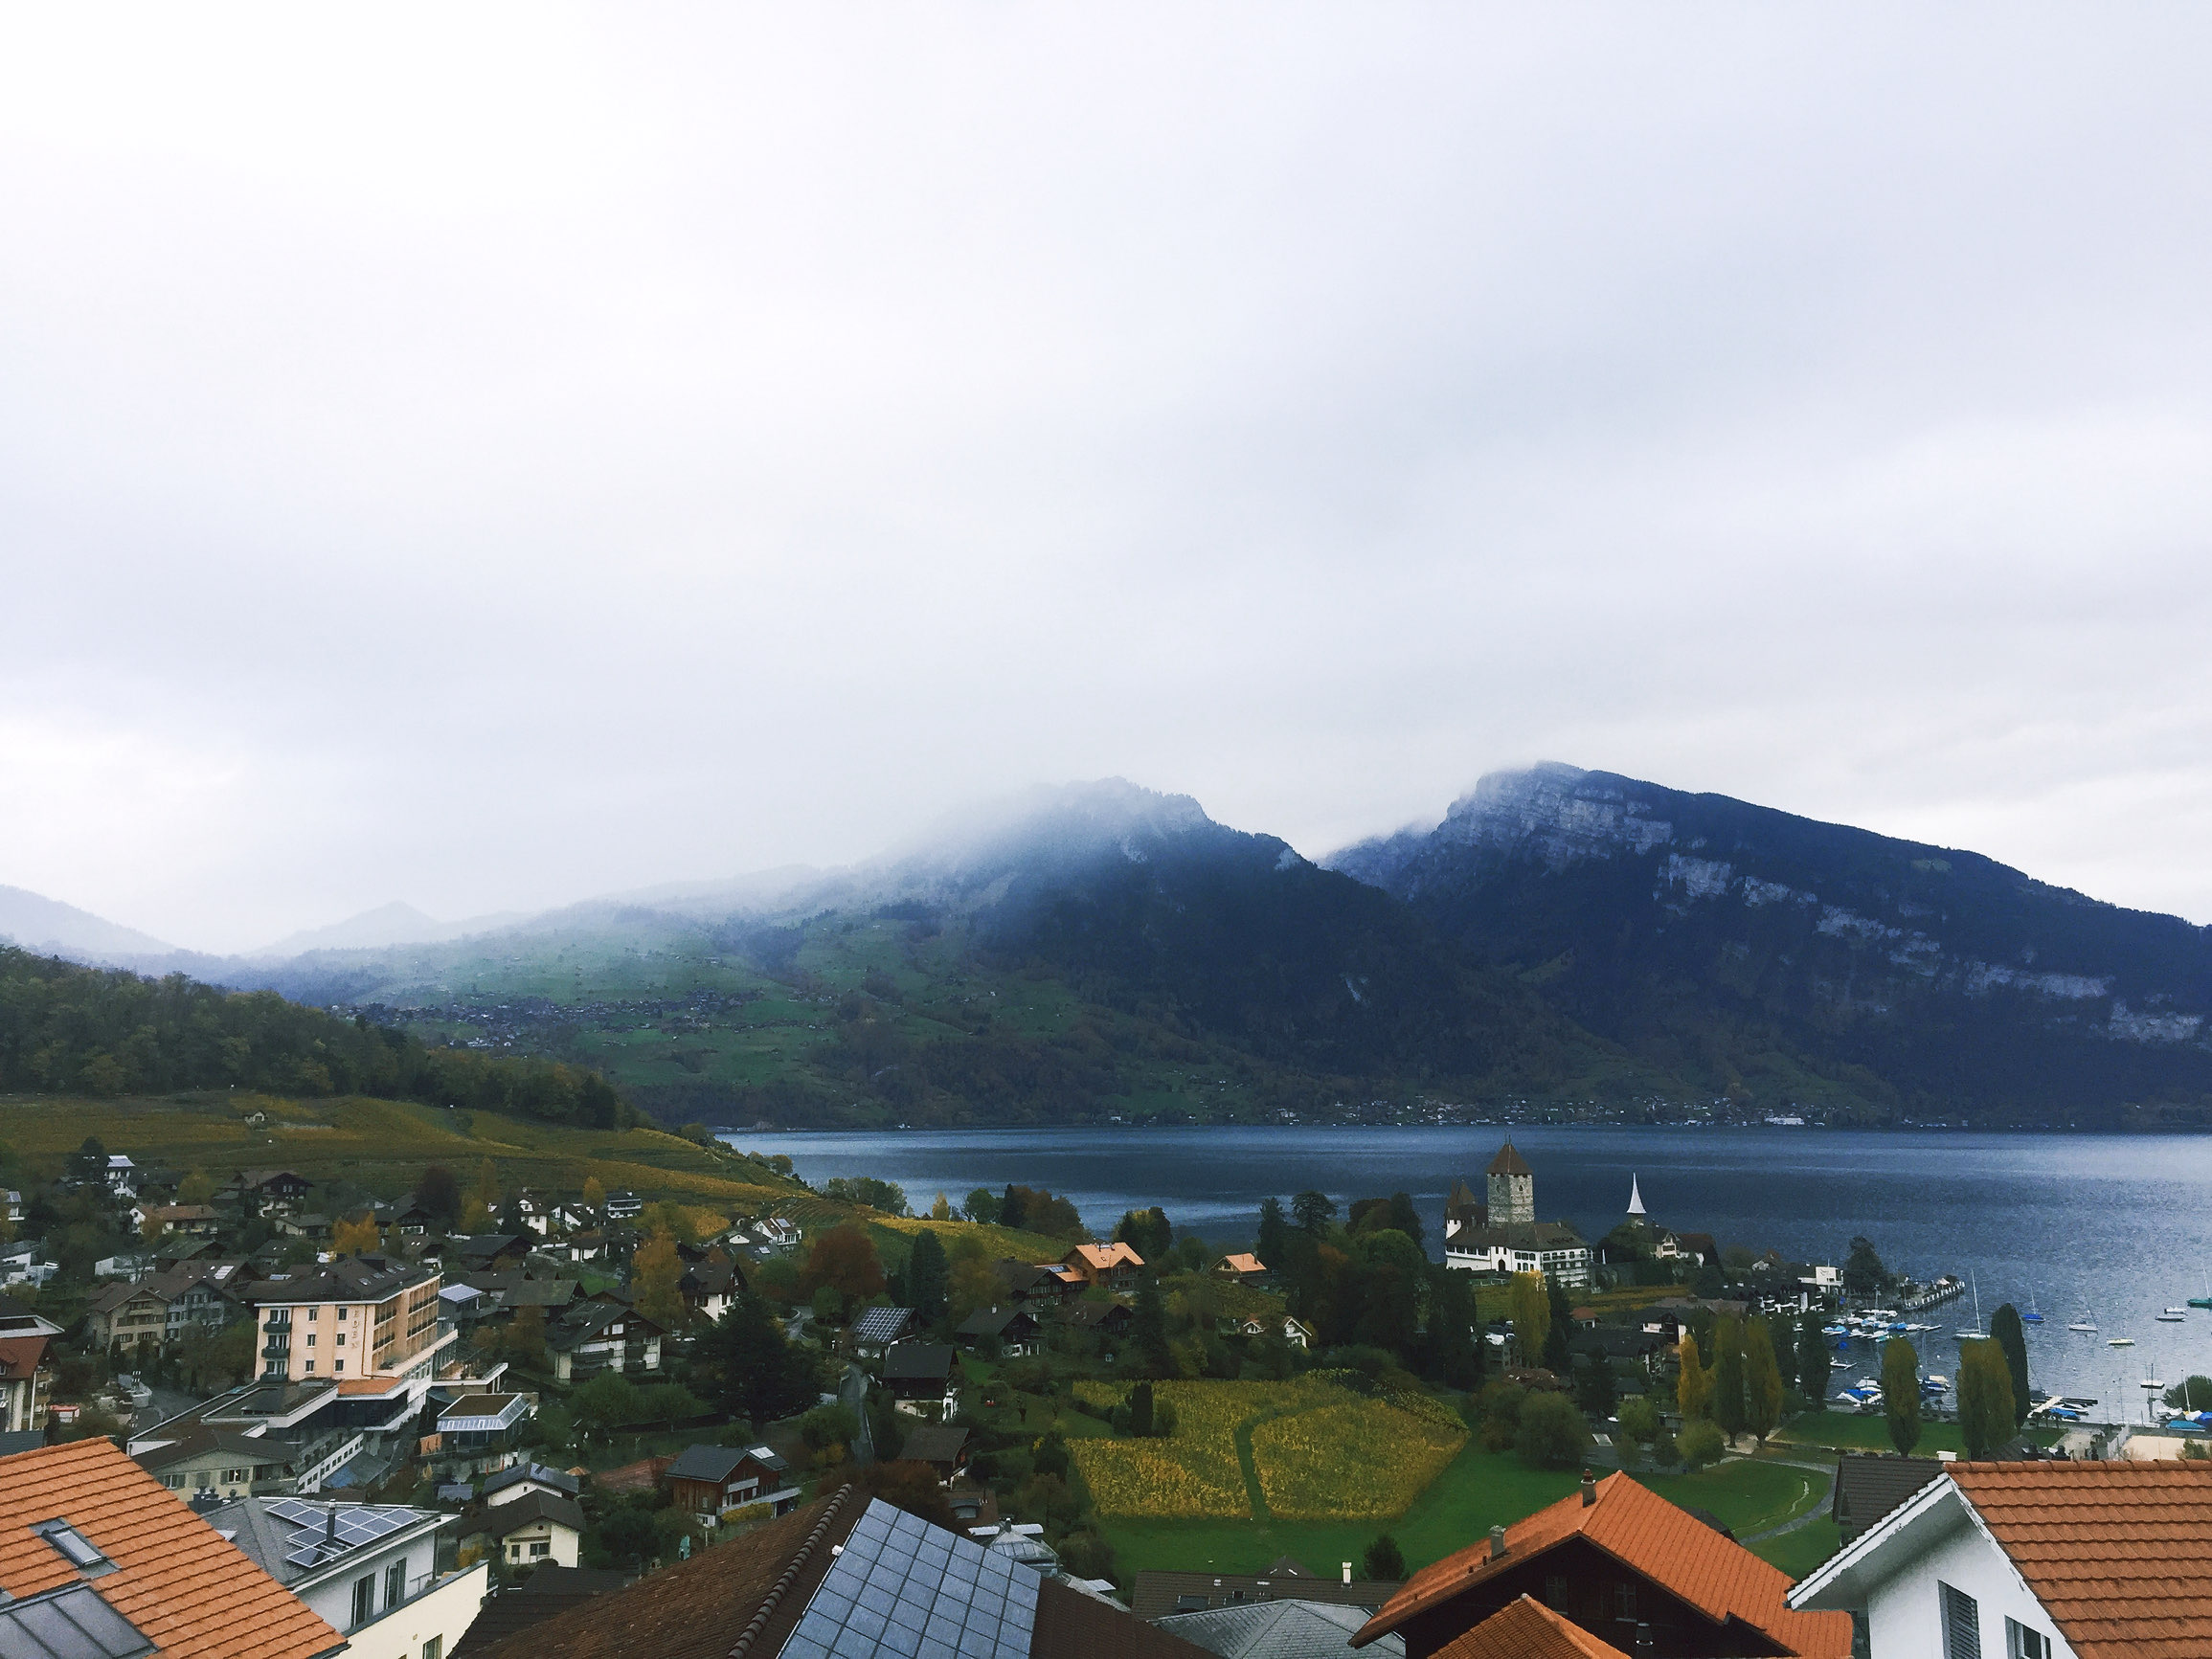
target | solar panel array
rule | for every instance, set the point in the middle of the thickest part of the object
(70, 1622)
(904, 1589)
(318, 1541)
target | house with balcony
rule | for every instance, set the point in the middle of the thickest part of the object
(1112, 1266)
(364, 1318)
(710, 1480)
(603, 1335)
(382, 1575)
(26, 1371)
(478, 1431)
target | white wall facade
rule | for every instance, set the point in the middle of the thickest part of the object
(442, 1615)
(1904, 1615)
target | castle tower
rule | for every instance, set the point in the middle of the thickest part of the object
(1512, 1188)
(1635, 1201)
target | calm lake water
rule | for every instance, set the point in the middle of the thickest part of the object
(2119, 1225)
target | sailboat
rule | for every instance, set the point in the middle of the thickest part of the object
(2084, 1322)
(1974, 1331)
(2172, 1316)
(2120, 1342)
(2205, 1300)
(2034, 1315)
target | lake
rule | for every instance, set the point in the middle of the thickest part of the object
(2121, 1224)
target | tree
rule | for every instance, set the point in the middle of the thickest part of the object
(605, 1403)
(1694, 1386)
(941, 1210)
(845, 1259)
(627, 1535)
(1701, 1443)
(1147, 1232)
(88, 1163)
(1454, 1349)
(1812, 1360)
(1762, 1382)
(1313, 1212)
(525, 1337)
(595, 1195)
(656, 1271)
(1531, 1311)
(1900, 1393)
(928, 1277)
(438, 1194)
(1384, 1561)
(1140, 1410)
(1010, 1207)
(983, 1205)
(1552, 1434)
(196, 1188)
(1148, 1327)
(1640, 1420)
(1594, 1387)
(356, 1237)
(1391, 1272)
(1728, 1409)
(1406, 1219)
(1985, 1398)
(667, 1404)
(1864, 1274)
(911, 1486)
(1558, 1356)
(759, 1375)
(485, 1190)
(1272, 1239)
(2007, 1331)
(975, 1284)
(2193, 1394)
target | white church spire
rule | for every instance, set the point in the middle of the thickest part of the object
(1634, 1198)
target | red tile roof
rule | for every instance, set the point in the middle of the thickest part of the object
(2119, 1553)
(1667, 1545)
(190, 1592)
(1527, 1629)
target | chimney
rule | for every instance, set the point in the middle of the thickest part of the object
(1498, 1543)
(1588, 1488)
(1347, 1572)
(331, 1526)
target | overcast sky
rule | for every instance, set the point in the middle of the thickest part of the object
(490, 457)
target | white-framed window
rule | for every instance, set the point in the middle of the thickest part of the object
(1961, 1622)
(395, 1582)
(364, 1599)
(2022, 1642)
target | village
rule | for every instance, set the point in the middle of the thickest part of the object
(469, 1418)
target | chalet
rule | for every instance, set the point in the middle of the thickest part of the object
(711, 1480)
(266, 1192)
(410, 1219)
(535, 1527)
(202, 1221)
(1623, 1564)
(877, 1328)
(303, 1225)
(1111, 1320)
(1246, 1268)
(161, 1308)
(487, 1252)
(2090, 1561)
(624, 1206)
(709, 1288)
(942, 1445)
(1004, 1330)
(26, 1369)
(1298, 1333)
(1112, 1266)
(921, 1373)
(603, 1336)
(1025, 1281)
(222, 1463)
(525, 1478)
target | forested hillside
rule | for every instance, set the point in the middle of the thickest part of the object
(71, 1029)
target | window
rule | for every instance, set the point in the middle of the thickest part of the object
(72, 1546)
(434, 1649)
(342, 1312)
(1555, 1592)
(1624, 1602)
(233, 1474)
(2022, 1642)
(537, 1550)
(341, 1340)
(311, 1363)
(364, 1599)
(395, 1582)
(1961, 1622)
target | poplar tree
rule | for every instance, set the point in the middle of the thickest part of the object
(1762, 1382)
(1811, 1361)
(2011, 1339)
(1900, 1393)
(1729, 1408)
(926, 1274)
(1694, 1387)
(1985, 1398)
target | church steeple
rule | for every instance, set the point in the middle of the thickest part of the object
(1635, 1201)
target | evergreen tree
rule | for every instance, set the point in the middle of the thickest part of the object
(1313, 1211)
(927, 1275)
(1595, 1388)
(1140, 1410)
(1270, 1244)
(1864, 1274)
(1148, 1327)
(1010, 1207)
(1147, 1232)
(1900, 1393)
(1454, 1349)
(758, 1375)
(1985, 1398)
(1406, 1219)
(1558, 1356)
(1384, 1561)
(1762, 1380)
(2005, 1331)
(1812, 1360)
(1728, 1407)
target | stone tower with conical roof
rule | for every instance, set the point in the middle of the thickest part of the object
(1512, 1188)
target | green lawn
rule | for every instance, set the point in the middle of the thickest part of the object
(1477, 1489)
(1799, 1552)
(1850, 1431)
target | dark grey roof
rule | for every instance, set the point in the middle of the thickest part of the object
(199, 1442)
(715, 1463)
(70, 1623)
(917, 1362)
(993, 1321)
(560, 1480)
(294, 1538)
(26, 1440)
(1278, 1631)
(1869, 1488)
(551, 1589)
(516, 1513)
(935, 1442)
(1154, 1595)
(1508, 1162)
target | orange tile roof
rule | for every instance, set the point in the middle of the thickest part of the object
(1246, 1262)
(1527, 1629)
(1101, 1257)
(1667, 1545)
(2119, 1553)
(188, 1591)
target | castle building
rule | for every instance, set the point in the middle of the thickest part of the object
(1504, 1235)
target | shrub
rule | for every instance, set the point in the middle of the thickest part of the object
(1702, 1443)
(1553, 1432)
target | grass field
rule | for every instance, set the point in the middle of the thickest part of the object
(1799, 1552)
(1849, 1431)
(1477, 1489)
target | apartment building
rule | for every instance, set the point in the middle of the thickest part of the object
(367, 1316)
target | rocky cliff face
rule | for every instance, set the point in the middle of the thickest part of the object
(1772, 954)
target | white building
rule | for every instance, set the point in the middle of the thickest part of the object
(370, 1570)
(1504, 1234)
(2032, 1560)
